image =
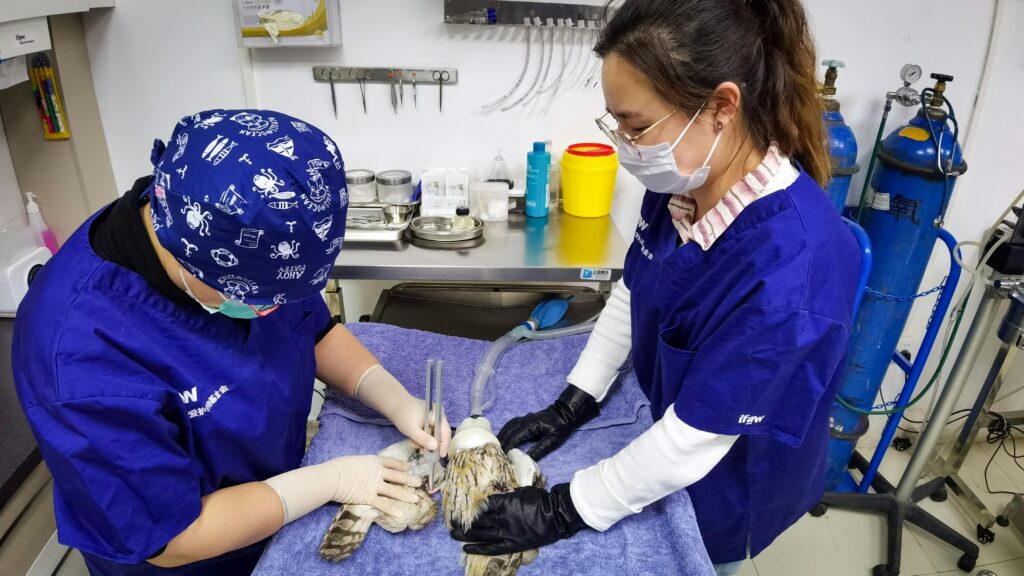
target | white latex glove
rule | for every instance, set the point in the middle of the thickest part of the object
(379, 390)
(371, 480)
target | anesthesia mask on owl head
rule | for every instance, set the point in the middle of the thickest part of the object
(472, 433)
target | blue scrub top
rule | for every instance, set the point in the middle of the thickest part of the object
(748, 339)
(141, 406)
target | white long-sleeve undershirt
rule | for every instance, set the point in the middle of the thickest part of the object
(669, 456)
(607, 348)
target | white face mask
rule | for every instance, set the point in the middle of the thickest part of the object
(655, 166)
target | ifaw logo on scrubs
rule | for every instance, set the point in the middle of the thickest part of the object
(641, 227)
(190, 396)
(748, 419)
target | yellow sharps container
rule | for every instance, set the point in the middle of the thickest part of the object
(588, 179)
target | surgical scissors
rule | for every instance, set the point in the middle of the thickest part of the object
(440, 76)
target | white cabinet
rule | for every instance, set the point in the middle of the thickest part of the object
(19, 37)
(22, 9)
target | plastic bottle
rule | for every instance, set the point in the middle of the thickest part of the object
(538, 167)
(43, 235)
(462, 221)
(554, 178)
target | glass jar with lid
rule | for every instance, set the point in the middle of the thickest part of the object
(394, 187)
(362, 185)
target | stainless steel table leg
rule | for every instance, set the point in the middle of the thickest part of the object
(1015, 514)
(948, 397)
(335, 300)
(1011, 336)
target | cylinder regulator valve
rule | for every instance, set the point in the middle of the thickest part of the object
(937, 99)
(905, 95)
(829, 89)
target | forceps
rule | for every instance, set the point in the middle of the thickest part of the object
(433, 399)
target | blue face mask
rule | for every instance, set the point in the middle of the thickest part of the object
(231, 308)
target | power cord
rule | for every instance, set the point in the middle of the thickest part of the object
(959, 415)
(999, 430)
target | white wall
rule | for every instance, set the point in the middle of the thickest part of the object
(154, 62)
(11, 207)
(404, 33)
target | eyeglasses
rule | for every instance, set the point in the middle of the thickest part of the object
(616, 134)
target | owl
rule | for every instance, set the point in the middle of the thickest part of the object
(477, 468)
(350, 525)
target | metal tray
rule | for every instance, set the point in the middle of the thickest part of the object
(377, 222)
(439, 229)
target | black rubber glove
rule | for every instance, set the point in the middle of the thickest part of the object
(525, 519)
(552, 426)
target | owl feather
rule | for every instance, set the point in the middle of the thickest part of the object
(477, 469)
(352, 523)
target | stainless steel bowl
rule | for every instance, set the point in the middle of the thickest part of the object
(397, 213)
(439, 229)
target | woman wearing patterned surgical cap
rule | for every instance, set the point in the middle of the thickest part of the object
(165, 357)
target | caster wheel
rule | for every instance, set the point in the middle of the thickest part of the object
(940, 495)
(966, 563)
(819, 510)
(985, 536)
(1002, 521)
(902, 444)
(880, 570)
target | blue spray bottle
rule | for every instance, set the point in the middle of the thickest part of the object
(538, 168)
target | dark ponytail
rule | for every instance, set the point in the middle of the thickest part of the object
(686, 48)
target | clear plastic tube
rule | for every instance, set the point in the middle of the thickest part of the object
(522, 74)
(547, 68)
(485, 369)
(536, 77)
(479, 400)
(560, 332)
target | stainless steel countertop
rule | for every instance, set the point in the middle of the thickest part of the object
(554, 249)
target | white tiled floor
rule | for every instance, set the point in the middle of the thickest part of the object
(845, 543)
(850, 543)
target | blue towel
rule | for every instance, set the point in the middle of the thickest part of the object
(664, 539)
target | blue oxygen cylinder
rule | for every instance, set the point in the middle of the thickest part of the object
(842, 144)
(904, 211)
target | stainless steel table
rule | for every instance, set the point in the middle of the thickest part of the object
(557, 249)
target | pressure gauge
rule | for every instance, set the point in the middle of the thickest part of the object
(910, 73)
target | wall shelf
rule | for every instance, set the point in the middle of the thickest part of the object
(518, 13)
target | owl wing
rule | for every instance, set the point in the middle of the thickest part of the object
(347, 531)
(403, 450)
(505, 565)
(411, 516)
(526, 470)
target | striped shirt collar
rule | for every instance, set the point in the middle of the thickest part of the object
(708, 229)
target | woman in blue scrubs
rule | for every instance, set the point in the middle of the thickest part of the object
(738, 289)
(165, 357)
